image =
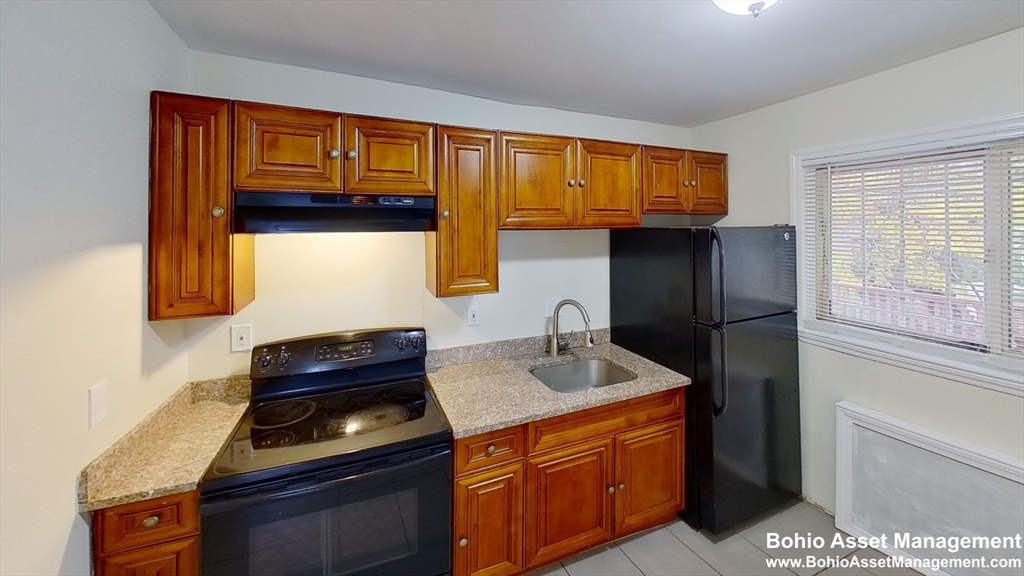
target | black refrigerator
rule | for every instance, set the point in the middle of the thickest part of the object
(719, 305)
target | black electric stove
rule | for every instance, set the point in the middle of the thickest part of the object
(340, 465)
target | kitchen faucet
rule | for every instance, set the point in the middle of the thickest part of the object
(588, 340)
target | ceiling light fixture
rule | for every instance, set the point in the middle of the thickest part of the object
(744, 7)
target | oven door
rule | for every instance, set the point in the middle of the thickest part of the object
(384, 517)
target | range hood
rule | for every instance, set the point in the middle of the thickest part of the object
(285, 212)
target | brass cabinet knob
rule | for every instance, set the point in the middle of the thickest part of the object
(686, 183)
(463, 543)
(693, 182)
(611, 489)
(445, 214)
(491, 450)
(217, 211)
(582, 183)
(151, 521)
(622, 487)
(572, 183)
(335, 153)
(351, 153)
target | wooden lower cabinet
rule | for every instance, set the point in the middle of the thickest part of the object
(178, 558)
(649, 478)
(568, 505)
(489, 522)
(157, 537)
(531, 495)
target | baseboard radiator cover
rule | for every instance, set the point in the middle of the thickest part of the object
(893, 476)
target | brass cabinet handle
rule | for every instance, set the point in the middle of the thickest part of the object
(463, 543)
(335, 153)
(686, 183)
(622, 487)
(611, 489)
(445, 214)
(351, 153)
(491, 450)
(151, 521)
(693, 182)
(582, 183)
(572, 183)
(217, 211)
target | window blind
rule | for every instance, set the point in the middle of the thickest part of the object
(926, 246)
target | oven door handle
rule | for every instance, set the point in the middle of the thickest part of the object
(310, 486)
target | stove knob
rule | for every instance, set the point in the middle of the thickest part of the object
(283, 358)
(415, 342)
(400, 343)
(265, 360)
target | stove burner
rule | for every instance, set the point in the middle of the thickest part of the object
(376, 418)
(273, 439)
(280, 414)
(402, 393)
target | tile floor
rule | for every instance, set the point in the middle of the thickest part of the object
(677, 550)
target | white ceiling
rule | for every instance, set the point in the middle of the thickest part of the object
(683, 63)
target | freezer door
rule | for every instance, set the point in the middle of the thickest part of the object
(758, 265)
(748, 419)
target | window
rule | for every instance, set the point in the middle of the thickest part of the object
(915, 252)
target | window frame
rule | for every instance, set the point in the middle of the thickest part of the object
(999, 373)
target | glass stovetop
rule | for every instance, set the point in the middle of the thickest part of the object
(283, 432)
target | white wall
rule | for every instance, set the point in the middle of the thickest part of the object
(978, 81)
(73, 203)
(309, 284)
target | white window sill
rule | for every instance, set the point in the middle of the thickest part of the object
(948, 366)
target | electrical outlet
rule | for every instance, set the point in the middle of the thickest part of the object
(99, 403)
(241, 338)
(473, 316)
(549, 306)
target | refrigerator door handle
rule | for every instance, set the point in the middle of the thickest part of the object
(723, 373)
(715, 238)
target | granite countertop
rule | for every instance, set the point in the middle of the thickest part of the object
(489, 395)
(481, 388)
(169, 451)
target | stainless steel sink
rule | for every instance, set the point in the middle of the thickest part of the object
(582, 375)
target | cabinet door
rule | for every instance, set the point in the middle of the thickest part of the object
(649, 476)
(489, 522)
(666, 188)
(391, 157)
(708, 183)
(279, 148)
(465, 247)
(608, 188)
(536, 181)
(193, 259)
(568, 504)
(177, 558)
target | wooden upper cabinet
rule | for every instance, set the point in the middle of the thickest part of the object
(608, 186)
(462, 256)
(684, 182)
(664, 174)
(649, 476)
(488, 530)
(196, 267)
(708, 182)
(534, 189)
(389, 157)
(568, 504)
(285, 149)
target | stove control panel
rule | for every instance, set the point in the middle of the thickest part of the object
(336, 351)
(344, 351)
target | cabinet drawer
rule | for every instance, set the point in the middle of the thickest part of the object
(489, 449)
(604, 420)
(148, 522)
(178, 558)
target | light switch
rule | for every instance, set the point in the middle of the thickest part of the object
(99, 403)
